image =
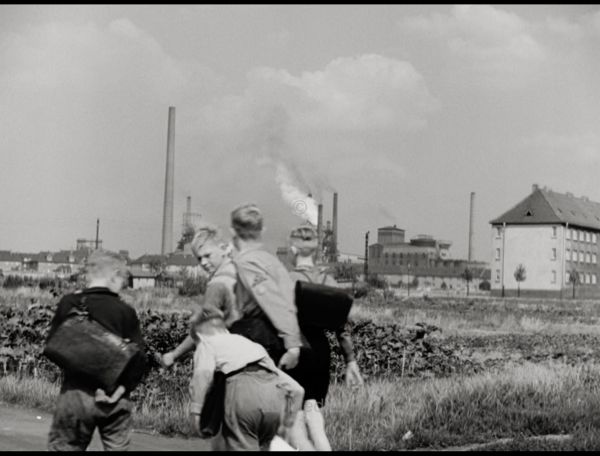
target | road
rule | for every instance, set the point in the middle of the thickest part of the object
(23, 429)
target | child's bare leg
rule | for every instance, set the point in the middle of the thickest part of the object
(316, 426)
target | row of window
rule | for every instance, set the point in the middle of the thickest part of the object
(576, 256)
(583, 236)
(581, 257)
(571, 234)
(584, 277)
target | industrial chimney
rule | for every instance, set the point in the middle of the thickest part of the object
(335, 225)
(471, 221)
(167, 228)
(320, 229)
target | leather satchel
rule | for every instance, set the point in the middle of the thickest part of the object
(322, 306)
(213, 409)
(83, 346)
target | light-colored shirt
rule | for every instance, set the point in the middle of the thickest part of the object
(265, 287)
(224, 352)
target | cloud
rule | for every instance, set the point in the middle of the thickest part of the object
(305, 122)
(583, 147)
(350, 94)
(86, 57)
(491, 45)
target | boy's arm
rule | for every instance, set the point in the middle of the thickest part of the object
(202, 377)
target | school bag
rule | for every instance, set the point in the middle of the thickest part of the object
(83, 346)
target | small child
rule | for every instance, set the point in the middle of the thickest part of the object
(256, 391)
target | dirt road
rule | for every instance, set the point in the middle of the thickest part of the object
(24, 429)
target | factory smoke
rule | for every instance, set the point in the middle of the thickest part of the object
(277, 154)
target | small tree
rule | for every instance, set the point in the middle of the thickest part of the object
(415, 282)
(573, 280)
(468, 276)
(520, 276)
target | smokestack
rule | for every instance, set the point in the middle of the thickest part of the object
(471, 221)
(320, 228)
(366, 268)
(97, 232)
(335, 224)
(167, 228)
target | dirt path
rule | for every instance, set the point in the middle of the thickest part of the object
(24, 429)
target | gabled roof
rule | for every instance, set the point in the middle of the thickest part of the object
(546, 206)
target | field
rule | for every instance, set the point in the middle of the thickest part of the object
(441, 373)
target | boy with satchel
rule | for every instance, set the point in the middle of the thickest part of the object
(87, 402)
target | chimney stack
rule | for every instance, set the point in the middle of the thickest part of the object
(471, 221)
(534, 187)
(167, 228)
(320, 229)
(334, 225)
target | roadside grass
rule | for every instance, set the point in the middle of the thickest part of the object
(522, 401)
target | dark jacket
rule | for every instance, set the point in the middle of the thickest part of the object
(110, 311)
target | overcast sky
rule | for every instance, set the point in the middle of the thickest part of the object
(402, 109)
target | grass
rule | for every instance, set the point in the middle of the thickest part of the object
(522, 401)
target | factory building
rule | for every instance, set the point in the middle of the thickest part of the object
(553, 235)
(425, 258)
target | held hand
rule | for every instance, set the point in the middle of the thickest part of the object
(290, 358)
(167, 359)
(102, 398)
(353, 377)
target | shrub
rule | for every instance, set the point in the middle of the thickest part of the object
(485, 285)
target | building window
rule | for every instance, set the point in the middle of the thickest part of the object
(587, 277)
(553, 231)
(497, 254)
(572, 235)
(554, 253)
(497, 275)
(588, 257)
(566, 277)
(386, 257)
(594, 258)
(580, 257)
(568, 254)
(498, 232)
(587, 236)
(594, 238)
(594, 278)
(581, 277)
(568, 234)
(394, 258)
(553, 276)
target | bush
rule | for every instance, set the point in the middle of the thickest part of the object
(193, 285)
(485, 285)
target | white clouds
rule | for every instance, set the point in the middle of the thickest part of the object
(582, 148)
(88, 58)
(487, 45)
(349, 94)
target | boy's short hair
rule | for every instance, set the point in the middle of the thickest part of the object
(203, 234)
(105, 260)
(247, 221)
(207, 312)
(305, 239)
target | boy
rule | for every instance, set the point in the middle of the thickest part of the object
(256, 391)
(264, 291)
(82, 406)
(213, 255)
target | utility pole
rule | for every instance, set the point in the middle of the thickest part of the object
(97, 231)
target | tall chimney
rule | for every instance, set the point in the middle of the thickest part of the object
(366, 265)
(320, 229)
(335, 225)
(167, 228)
(471, 221)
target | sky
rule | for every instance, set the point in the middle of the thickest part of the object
(404, 110)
